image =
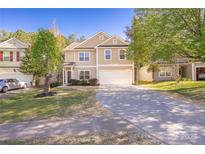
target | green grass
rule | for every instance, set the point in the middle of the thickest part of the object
(191, 89)
(23, 107)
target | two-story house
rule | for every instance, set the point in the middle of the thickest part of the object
(102, 57)
(11, 53)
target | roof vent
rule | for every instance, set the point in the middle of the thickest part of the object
(101, 37)
(114, 42)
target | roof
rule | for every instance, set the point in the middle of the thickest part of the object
(71, 46)
(13, 43)
(113, 46)
(92, 43)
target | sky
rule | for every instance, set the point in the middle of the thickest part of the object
(79, 21)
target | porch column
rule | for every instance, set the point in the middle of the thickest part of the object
(66, 77)
(71, 69)
(193, 71)
(63, 76)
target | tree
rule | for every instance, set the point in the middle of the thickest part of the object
(72, 38)
(45, 56)
(82, 38)
(4, 35)
(169, 34)
(137, 50)
(24, 36)
(28, 68)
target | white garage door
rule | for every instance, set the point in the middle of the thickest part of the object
(115, 77)
(18, 76)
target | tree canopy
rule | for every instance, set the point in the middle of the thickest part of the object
(162, 34)
(45, 55)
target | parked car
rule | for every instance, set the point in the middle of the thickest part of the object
(9, 84)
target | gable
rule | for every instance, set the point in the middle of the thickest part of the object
(13, 43)
(71, 46)
(113, 41)
(94, 40)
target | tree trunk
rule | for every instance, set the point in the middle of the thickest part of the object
(153, 76)
(33, 82)
(176, 74)
(47, 84)
(137, 74)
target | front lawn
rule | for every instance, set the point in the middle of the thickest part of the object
(25, 106)
(191, 89)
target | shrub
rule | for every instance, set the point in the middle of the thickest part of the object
(93, 82)
(84, 82)
(55, 84)
(185, 79)
(75, 82)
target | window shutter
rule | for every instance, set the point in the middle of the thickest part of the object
(1, 55)
(17, 56)
(11, 55)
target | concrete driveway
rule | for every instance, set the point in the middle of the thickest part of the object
(171, 120)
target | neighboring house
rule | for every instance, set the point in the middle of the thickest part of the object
(185, 68)
(102, 57)
(11, 53)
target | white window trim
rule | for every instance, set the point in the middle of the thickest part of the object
(119, 54)
(84, 70)
(165, 72)
(105, 54)
(84, 53)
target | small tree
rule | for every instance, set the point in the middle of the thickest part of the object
(45, 56)
(138, 48)
(28, 68)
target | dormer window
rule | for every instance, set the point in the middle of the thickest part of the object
(114, 42)
(101, 37)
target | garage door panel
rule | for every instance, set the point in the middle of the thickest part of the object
(115, 77)
(18, 76)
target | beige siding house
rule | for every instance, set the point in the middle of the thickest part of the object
(185, 68)
(11, 53)
(102, 57)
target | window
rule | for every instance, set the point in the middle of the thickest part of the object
(84, 56)
(1, 55)
(101, 37)
(122, 54)
(17, 55)
(114, 41)
(6, 56)
(107, 54)
(11, 55)
(165, 71)
(84, 75)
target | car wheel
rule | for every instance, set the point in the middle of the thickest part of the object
(5, 89)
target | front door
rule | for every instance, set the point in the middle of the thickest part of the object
(69, 76)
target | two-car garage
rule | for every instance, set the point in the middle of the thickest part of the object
(115, 77)
(15, 74)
